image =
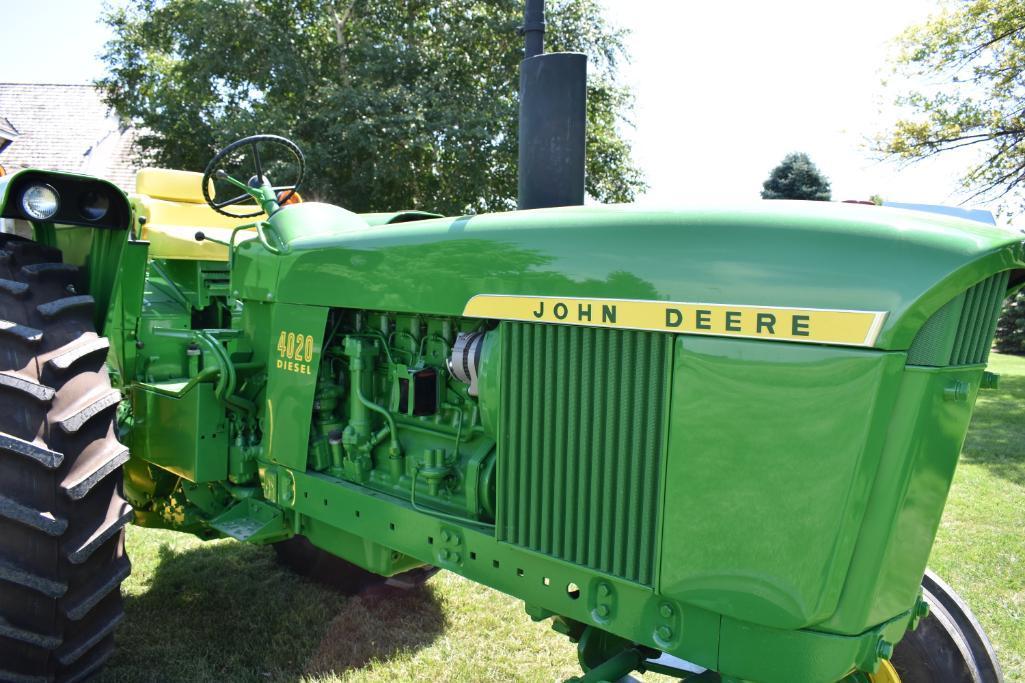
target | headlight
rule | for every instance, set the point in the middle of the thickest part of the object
(93, 205)
(40, 202)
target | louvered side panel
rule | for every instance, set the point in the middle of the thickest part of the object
(580, 444)
(961, 332)
(978, 320)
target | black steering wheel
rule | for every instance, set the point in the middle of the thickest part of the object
(253, 142)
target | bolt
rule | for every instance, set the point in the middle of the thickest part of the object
(602, 610)
(956, 391)
(446, 537)
(456, 558)
(664, 633)
(666, 610)
(884, 649)
(444, 554)
(603, 590)
(269, 296)
(922, 609)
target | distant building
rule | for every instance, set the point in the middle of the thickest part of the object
(65, 127)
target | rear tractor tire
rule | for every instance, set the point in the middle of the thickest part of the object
(306, 559)
(62, 514)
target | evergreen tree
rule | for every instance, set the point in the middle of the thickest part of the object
(1011, 328)
(796, 178)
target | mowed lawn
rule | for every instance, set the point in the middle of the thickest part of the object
(225, 612)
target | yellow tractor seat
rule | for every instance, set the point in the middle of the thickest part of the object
(172, 204)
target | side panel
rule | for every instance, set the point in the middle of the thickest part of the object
(122, 318)
(197, 447)
(928, 426)
(295, 338)
(773, 448)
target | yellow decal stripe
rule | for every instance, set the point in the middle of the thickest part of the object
(814, 325)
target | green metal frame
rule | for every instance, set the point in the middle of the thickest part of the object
(763, 508)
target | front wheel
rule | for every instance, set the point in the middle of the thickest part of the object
(949, 645)
(62, 515)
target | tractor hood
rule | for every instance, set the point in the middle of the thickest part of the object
(899, 266)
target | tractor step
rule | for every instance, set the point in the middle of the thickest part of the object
(252, 521)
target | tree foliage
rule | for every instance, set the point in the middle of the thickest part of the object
(396, 104)
(796, 177)
(971, 57)
(1010, 337)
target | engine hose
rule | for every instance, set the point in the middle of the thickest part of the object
(387, 416)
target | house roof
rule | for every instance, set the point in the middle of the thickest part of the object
(7, 129)
(66, 128)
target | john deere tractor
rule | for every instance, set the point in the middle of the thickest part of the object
(712, 443)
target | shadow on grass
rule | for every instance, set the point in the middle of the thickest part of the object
(996, 438)
(228, 612)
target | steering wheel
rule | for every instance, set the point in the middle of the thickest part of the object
(255, 188)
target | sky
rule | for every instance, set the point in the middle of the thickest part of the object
(723, 90)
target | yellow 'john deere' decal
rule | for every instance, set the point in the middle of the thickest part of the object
(815, 325)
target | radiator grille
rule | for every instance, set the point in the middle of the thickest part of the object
(580, 444)
(961, 332)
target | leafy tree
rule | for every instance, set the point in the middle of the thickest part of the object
(972, 56)
(796, 177)
(396, 104)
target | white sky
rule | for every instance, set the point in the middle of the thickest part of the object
(723, 89)
(726, 89)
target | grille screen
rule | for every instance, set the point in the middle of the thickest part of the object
(580, 444)
(961, 332)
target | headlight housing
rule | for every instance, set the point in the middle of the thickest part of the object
(93, 205)
(40, 201)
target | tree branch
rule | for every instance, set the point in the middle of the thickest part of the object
(340, 19)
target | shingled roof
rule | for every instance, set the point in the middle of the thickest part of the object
(66, 128)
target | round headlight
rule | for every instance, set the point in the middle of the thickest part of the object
(93, 205)
(40, 202)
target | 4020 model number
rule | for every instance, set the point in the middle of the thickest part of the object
(295, 351)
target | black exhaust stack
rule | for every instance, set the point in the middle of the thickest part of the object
(553, 117)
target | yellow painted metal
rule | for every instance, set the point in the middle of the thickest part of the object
(886, 674)
(175, 186)
(174, 210)
(171, 228)
(814, 325)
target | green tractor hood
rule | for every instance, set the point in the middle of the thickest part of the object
(903, 266)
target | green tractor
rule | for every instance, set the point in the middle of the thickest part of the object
(714, 444)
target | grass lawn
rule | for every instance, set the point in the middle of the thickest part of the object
(224, 612)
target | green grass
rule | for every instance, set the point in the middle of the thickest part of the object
(224, 612)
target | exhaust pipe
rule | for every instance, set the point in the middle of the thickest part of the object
(553, 119)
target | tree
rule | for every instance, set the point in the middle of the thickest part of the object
(410, 104)
(796, 177)
(1010, 337)
(972, 55)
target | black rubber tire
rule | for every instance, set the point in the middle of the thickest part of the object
(949, 645)
(306, 559)
(62, 514)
